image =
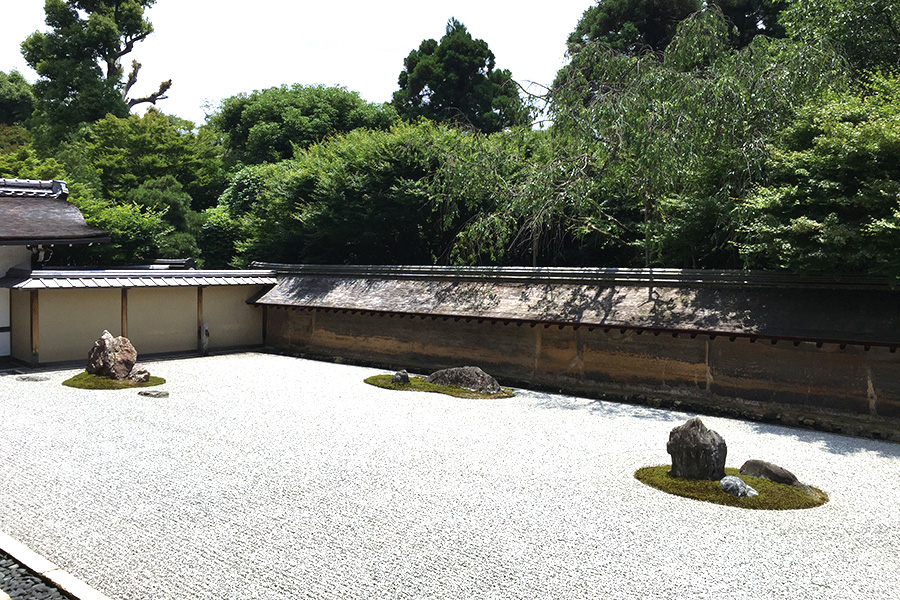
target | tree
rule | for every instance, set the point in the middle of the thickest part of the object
(121, 154)
(270, 125)
(79, 63)
(674, 139)
(831, 201)
(631, 26)
(867, 32)
(16, 98)
(635, 26)
(367, 196)
(455, 81)
(753, 17)
(136, 232)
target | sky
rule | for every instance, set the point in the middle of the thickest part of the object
(214, 49)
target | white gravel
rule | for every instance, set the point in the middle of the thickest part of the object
(266, 477)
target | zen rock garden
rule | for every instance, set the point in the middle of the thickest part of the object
(112, 364)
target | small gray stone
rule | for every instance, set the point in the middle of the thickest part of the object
(154, 393)
(32, 378)
(139, 374)
(736, 487)
(400, 377)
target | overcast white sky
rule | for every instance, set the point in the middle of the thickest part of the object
(213, 49)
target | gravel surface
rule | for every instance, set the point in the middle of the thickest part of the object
(265, 477)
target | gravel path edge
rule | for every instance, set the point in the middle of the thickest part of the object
(43, 568)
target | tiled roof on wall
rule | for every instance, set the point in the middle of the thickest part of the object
(132, 278)
(729, 303)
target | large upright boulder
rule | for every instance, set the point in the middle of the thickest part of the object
(471, 378)
(112, 357)
(697, 452)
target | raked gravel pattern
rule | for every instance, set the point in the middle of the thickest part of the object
(267, 477)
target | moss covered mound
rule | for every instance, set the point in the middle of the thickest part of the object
(416, 384)
(86, 381)
(772, 496)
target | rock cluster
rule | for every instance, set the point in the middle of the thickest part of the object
(116, 358)
(470, 378)
(697, 452)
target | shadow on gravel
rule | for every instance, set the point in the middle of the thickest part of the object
(835, 443)
(602, 408)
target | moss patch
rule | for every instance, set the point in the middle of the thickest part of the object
(416, 384)
(87, 381)
(772, 496)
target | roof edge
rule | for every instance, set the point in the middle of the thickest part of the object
(589, 276)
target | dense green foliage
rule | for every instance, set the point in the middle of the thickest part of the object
(832, 194)
(270, 125)
(866, 32)
(631, 26)
(772, 496)
(681, 133)
(365, 197)
(16, 98)
(455, 81)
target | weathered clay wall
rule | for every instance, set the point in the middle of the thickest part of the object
(852, 390)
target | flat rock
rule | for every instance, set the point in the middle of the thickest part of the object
(154, 393)
(32, 378)
(470, 378)
(761, 468)
(697, 452)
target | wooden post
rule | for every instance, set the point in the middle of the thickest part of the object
(202, 342)
(265, 324)
(124, 312)
(35, 346)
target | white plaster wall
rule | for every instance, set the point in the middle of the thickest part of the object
(10, 256)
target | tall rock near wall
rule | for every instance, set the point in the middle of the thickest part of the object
(112, 357)
(697, 452)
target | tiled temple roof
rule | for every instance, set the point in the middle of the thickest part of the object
(34, 212)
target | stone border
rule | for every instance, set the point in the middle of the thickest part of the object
(65, 581)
